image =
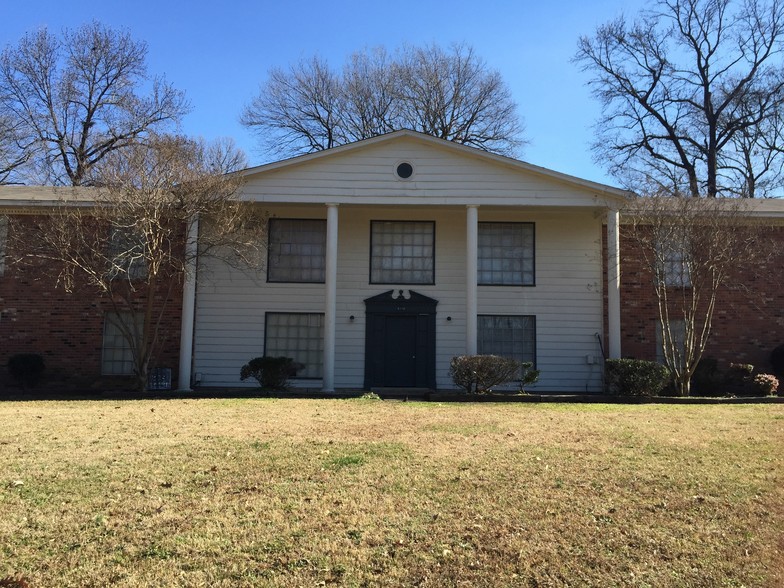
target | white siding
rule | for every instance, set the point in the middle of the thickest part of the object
(442, 176)
(566, 300)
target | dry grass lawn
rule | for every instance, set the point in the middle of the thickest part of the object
(265, 492)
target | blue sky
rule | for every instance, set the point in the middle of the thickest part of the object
(219, 53)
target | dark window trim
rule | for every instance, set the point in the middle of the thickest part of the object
(137, 269)
(5, 228)
(106, 320)
(532, 284)
(269, 250)
(266, 323)
(370, 256)
(536, 338)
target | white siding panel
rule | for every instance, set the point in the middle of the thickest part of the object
(441, 176)
(566, 300)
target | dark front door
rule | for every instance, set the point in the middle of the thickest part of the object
(400, 341)
(400, 359)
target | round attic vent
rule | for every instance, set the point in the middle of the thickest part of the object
(404, 170)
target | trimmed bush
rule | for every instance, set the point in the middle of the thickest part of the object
(765, 384)
(528, 375)
(738, 380)
(478, 374)
(26, 369)
(635, 377)
(707, 379)
(272, 373)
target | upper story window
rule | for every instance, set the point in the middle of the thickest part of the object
(127, 253)
(506, 254)
(672, 255)
(3, 242)
(297, 250)
(402, 252)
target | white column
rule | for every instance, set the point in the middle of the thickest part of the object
(330, 298)
(188, 306)
(472, 248)
(613, 285)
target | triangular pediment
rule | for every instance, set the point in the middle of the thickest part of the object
(441, 173)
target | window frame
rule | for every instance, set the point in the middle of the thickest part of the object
(675, 269)
(139, 319)
(533, 254)
(271, 280)
(432, 281)
(532, 319)
(4, 224)
(678, 330)
(276, 354)
(134, 269)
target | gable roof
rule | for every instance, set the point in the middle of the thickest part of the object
(472, 152)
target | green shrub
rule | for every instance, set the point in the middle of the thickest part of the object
(478, 374)
(272, 373)
(738, 380)
(528, 375)
(26, 368)
(707, 379)
(635, 377)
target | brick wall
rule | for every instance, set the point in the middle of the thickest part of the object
(749, 318)
(37, 316)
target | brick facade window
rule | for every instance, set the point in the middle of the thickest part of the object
(673, 255)
(126, 251)
(678, 332)
(3, 242)
(116, 351)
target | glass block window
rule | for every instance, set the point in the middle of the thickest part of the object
(117, 354)
(297, 250)
(402, 252)
(507, 336)
(299, 336)
(506, 254)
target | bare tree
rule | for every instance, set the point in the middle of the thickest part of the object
(451, 94)
(129, 238)
(754, 165)
(297, 110)
(13, 150)
(693, 248)
(77, 97)
(683, 88)
(370, 103)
